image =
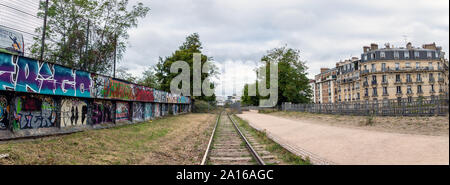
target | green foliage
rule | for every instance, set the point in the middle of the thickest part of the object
(201, 106)
(70, 42)
(185, 53)
(293, 85)
(149, 79)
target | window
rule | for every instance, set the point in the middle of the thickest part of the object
(406, 54)
(408, 78)
(436, 54)
(397, 78)
(408, 65)
(432, 88)
(382, 54)
(419, 77)
(373, 56)
(397, 66)
(383, 66)
(396, 54)
(431, 78)
(374, 68)
(409, 99)
(365, 57)
(430, 65)
(365, 67)
(408, 90)
(384, 80)
(399, 90)
(417, 65)
(374, 78)
(416, 54)
(357, 96)
(374, 91)
(366, 93)
(385, 91)
(419, 88)
(428, 54)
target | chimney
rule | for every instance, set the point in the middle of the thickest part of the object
(366, 49)
(373, 46)
(429, 46)
(409, 45)
(324, 69)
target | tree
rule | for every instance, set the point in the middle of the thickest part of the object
(293, 85)
(185, 53)
(149, 79)
(83, 33)
(122, 73)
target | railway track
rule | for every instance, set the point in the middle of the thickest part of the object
(229, 145)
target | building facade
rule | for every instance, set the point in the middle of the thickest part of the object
(389, 73)
(405, 72)
(325, 85)
(348, 80)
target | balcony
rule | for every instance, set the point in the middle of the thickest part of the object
(419, 81)
(386, 94)
(365, 84)
(409, 81)
(398, 81)
(440, 80)
(420, 92)
(384, 82)
(409, 92)
(375, 95)
(374, 82)
(431, 80)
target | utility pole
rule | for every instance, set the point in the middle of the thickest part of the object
(43, 30)
(87, 45)
(115, 55)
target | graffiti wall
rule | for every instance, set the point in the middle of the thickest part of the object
(34, 111)
(23, 74)
(4, 110)
(122, 111)
(73, 112)
(157, 110)
(102, 112)
(138, 111)
(148, 111)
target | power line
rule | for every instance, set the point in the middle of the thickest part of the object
(1, 4)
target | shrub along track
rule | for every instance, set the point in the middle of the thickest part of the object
(229, 146)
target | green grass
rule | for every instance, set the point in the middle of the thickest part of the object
(272, 146)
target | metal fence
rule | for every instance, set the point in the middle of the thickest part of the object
(401, 107)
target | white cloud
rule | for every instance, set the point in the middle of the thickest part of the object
(235, 32)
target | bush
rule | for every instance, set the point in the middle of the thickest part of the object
(201, 106)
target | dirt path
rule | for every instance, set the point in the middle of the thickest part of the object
(355, 146)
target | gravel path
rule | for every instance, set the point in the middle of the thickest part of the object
(354, 146)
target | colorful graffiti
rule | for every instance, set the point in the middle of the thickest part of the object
(138, 111)
(157, 110)
(148, 111)
(28, 75)
(73, 112)
(122, 111)
(34, 112)
(4, 110)
(102, 112)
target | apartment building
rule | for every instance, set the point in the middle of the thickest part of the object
(325, 85)
(386, 73)
(404, 72)
(348, 80)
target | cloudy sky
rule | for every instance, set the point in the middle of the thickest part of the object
(236, 33)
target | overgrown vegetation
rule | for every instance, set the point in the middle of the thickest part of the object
(172, 140)
(201, 106)
(272, 146)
